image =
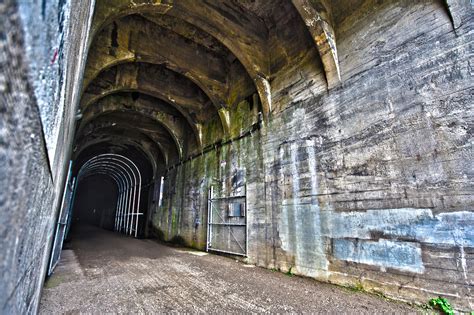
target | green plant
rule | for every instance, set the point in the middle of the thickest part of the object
(289, 272)
(442, 304)
(358, 287)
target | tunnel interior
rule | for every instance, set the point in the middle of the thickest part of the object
(167, 82)
(330, 139)
(299, 135)
(113, 182)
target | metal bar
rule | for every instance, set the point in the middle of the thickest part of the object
(246, 223)
(139, 195)
(56, 242)
(118, 207)
(227, 252)
(209, 218)
(227, 198)
(72, 207)
(129, 198)
(231, 224)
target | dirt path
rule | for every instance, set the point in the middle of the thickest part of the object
(108, 272)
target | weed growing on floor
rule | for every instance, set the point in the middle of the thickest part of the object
(290, 273)
(358, 287)
(442, 304)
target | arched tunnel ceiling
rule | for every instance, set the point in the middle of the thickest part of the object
(162, 71)
(128, 150)
(112, 139)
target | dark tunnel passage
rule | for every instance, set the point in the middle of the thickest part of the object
(113, 190)
(95, 202)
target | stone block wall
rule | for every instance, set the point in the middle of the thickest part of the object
(368, 184)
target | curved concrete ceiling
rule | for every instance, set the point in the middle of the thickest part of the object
(175, 69)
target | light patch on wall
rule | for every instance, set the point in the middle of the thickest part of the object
(453, 228)
(360, 224)
(301, 219)
(405, 256)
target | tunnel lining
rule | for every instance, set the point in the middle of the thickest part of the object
(338, 175)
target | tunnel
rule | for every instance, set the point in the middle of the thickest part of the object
(112, 190)
(217, 155)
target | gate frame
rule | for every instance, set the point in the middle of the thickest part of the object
(210, 199)
(70, 185)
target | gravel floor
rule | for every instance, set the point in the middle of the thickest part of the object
(108, 272)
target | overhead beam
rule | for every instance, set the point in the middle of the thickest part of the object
(316, 17)
(175, 124)
(247, 41)
(135, 122)
(114, 139)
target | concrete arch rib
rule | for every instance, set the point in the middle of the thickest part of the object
(247, 41)
(126, 125)
(174, 124)
(194, 125)
(316, 17)
(171, 86)
(159, 82)
(158, 46)
(111, 140)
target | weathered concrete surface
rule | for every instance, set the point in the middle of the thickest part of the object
(40, 64)
(106, 272)
(366, 184)
(25, 217)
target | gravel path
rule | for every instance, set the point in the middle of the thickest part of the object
(108, 272)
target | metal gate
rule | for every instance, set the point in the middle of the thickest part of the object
(227, 224)
(66, 208)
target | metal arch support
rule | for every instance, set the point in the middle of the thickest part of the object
(125, 193)
(114, 160)
(139, 190)
(129, 180)
(121, 185)
(130, 189)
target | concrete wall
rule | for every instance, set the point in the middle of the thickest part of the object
(368, 184)
(41, 61)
